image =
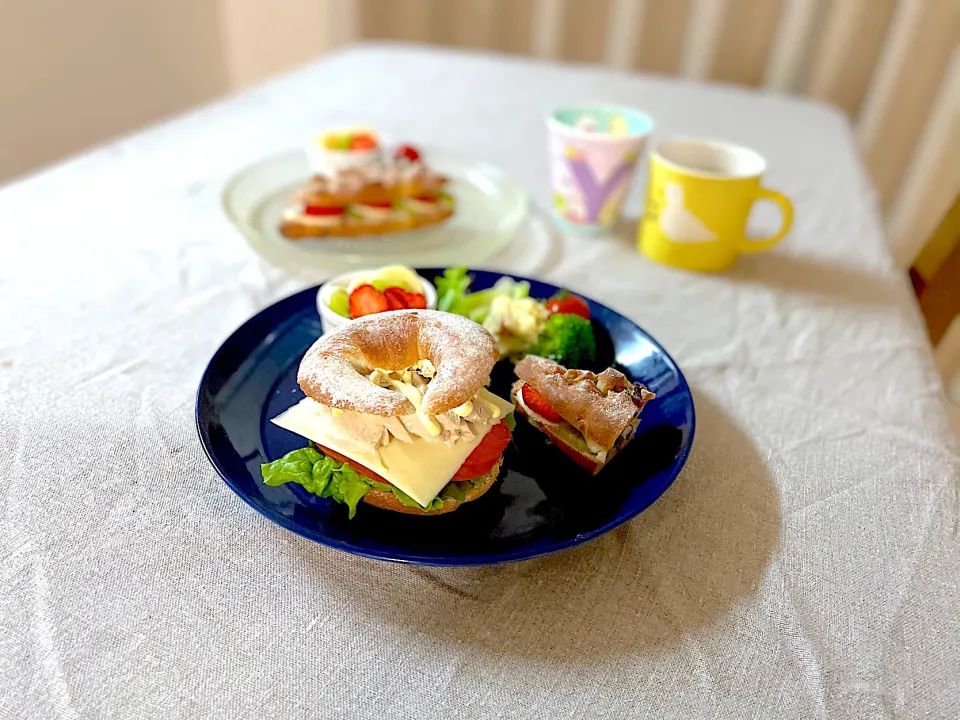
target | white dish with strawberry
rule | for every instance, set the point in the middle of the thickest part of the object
(359, 189)
(366, 292)
(484, 212)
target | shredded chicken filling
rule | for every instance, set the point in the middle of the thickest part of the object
(368, 432)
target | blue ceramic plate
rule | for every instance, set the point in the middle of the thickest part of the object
(543, 502)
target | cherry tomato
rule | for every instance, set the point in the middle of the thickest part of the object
(568, 305)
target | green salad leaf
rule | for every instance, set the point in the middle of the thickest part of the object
(453, 297)
(319, 474)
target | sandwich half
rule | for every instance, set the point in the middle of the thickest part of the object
(588, 416)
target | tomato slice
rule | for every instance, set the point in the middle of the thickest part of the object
(362, 469)
(486, 454)
(322, 211)
(538, 403)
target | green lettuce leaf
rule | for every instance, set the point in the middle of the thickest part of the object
(321, 475)
(451, 287)
(452, 295)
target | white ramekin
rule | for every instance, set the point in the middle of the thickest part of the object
(330, 320)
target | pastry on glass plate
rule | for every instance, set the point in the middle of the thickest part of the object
(357, 189)
(589, 416)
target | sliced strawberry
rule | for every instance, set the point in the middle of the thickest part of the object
(486, 454)
(367, 300)
(321, 210)
(362, 141)
(536, 402)
(396, 298)
(407, 152)
(415, 300)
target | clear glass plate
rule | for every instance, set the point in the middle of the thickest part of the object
(490, 208)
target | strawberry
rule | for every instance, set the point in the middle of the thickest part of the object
(407, 152)
(367, 300)
(416, 300)
(396, 298)
(400, 299)
(536, 402)
(362, 141)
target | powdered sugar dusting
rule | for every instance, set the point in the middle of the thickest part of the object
(600, 406)
(334, 370)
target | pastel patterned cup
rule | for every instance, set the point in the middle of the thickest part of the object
(593, 158)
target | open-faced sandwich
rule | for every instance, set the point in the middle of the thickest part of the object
(396, 406)
(589, 416)
(358, 189)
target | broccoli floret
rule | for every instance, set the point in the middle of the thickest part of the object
(568, 339)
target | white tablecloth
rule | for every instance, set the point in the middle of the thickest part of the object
(805, 563)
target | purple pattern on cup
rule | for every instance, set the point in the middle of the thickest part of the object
(595, 194)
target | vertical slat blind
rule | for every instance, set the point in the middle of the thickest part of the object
(584, 36)
(850, 42)
(933, 177)
(660, 47)
(746, 35)
(905, 85)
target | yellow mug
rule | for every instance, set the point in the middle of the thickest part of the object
(699, 196)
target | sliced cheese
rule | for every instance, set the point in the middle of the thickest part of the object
(419, 468)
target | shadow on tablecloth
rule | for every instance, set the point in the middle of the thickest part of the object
(683, 564)
(796, 274)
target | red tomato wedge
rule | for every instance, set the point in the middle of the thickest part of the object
(538, 403)
(486, 454)
(362, 469)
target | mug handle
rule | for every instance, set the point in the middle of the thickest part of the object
(786, 208)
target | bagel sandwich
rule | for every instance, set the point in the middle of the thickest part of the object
(590, 417)
(398, 413)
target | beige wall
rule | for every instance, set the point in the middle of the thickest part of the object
(74, 73)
